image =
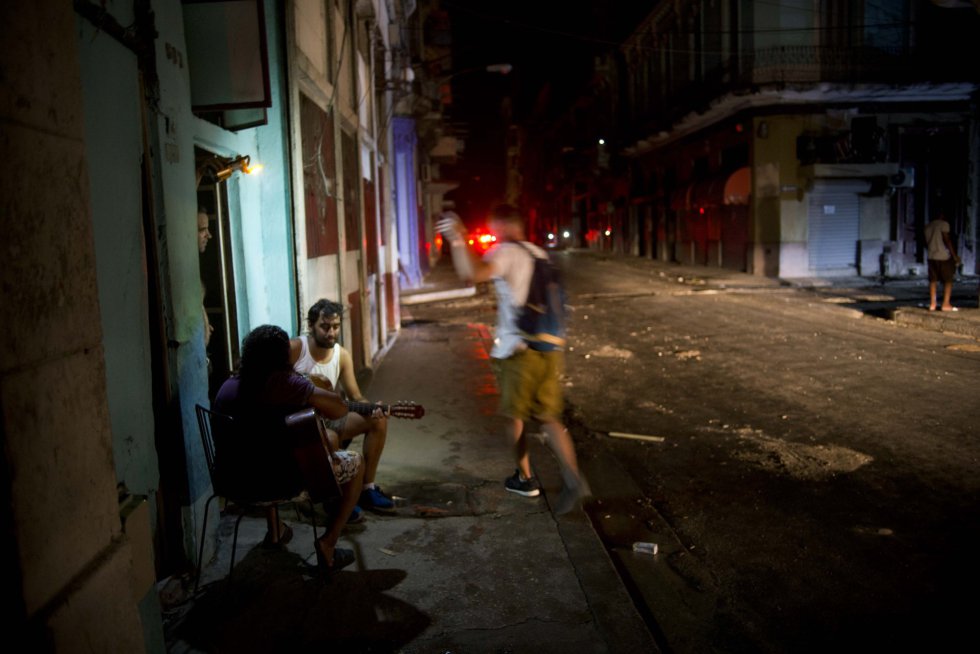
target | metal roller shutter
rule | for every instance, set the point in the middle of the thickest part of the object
(833, 213)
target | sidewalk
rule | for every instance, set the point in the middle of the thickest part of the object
(463, 566)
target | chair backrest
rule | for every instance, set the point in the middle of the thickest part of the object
(242, 473)
(209, 422)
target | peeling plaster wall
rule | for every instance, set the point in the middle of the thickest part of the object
(63, 573)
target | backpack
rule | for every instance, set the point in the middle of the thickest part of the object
(541, 321)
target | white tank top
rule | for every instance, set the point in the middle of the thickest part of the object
(307, 365)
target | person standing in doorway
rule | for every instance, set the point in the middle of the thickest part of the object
(942, 259)
(529, 378)
(203, 237)
(203, 231)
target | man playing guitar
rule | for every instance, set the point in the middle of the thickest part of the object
(320, 357)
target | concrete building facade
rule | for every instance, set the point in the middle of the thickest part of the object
(808, 139)
(128, 123)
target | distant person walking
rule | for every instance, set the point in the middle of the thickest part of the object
(528, 376)
(942, 261)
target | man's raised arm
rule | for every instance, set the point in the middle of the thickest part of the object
(469, 267)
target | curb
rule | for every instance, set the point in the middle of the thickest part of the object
(937, 321)
(436, 296)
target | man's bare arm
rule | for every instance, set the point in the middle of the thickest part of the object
(347, 378)
(949, 246)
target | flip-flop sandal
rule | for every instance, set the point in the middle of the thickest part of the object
(952, 309)
(341, 559)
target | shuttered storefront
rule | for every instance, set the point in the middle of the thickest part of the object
(834, 223)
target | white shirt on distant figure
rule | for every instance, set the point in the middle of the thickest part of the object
(935, 242)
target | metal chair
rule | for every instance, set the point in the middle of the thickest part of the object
(217, 427)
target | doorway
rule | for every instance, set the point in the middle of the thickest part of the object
(217, 278)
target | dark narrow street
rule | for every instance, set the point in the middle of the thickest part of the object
(811, 477)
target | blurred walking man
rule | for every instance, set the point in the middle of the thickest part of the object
(528, 376)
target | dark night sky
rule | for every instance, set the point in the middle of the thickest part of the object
(548, 43)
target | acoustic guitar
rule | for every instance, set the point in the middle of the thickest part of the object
(313, 447)
(407, 410)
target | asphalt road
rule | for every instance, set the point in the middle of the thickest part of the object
(810, 476)
(816, 487)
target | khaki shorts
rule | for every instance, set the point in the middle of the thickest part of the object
(530, 384)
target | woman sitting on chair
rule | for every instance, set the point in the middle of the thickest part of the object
(260, 461)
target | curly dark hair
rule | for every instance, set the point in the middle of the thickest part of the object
(323, 307)
(264, 351)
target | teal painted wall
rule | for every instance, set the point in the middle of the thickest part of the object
(264, 253)
(113, 147)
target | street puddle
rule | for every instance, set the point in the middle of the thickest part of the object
(798, 460)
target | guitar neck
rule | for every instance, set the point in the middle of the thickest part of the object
(365, 408)
(407, 410)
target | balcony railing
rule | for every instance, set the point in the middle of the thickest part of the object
(827, 64)
(798, 66)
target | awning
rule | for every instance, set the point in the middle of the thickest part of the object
(738, 187)
(728, 189)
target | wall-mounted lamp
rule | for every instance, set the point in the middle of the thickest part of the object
(240, 163)
(217, 169)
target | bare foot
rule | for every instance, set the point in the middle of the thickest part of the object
(324, 553)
